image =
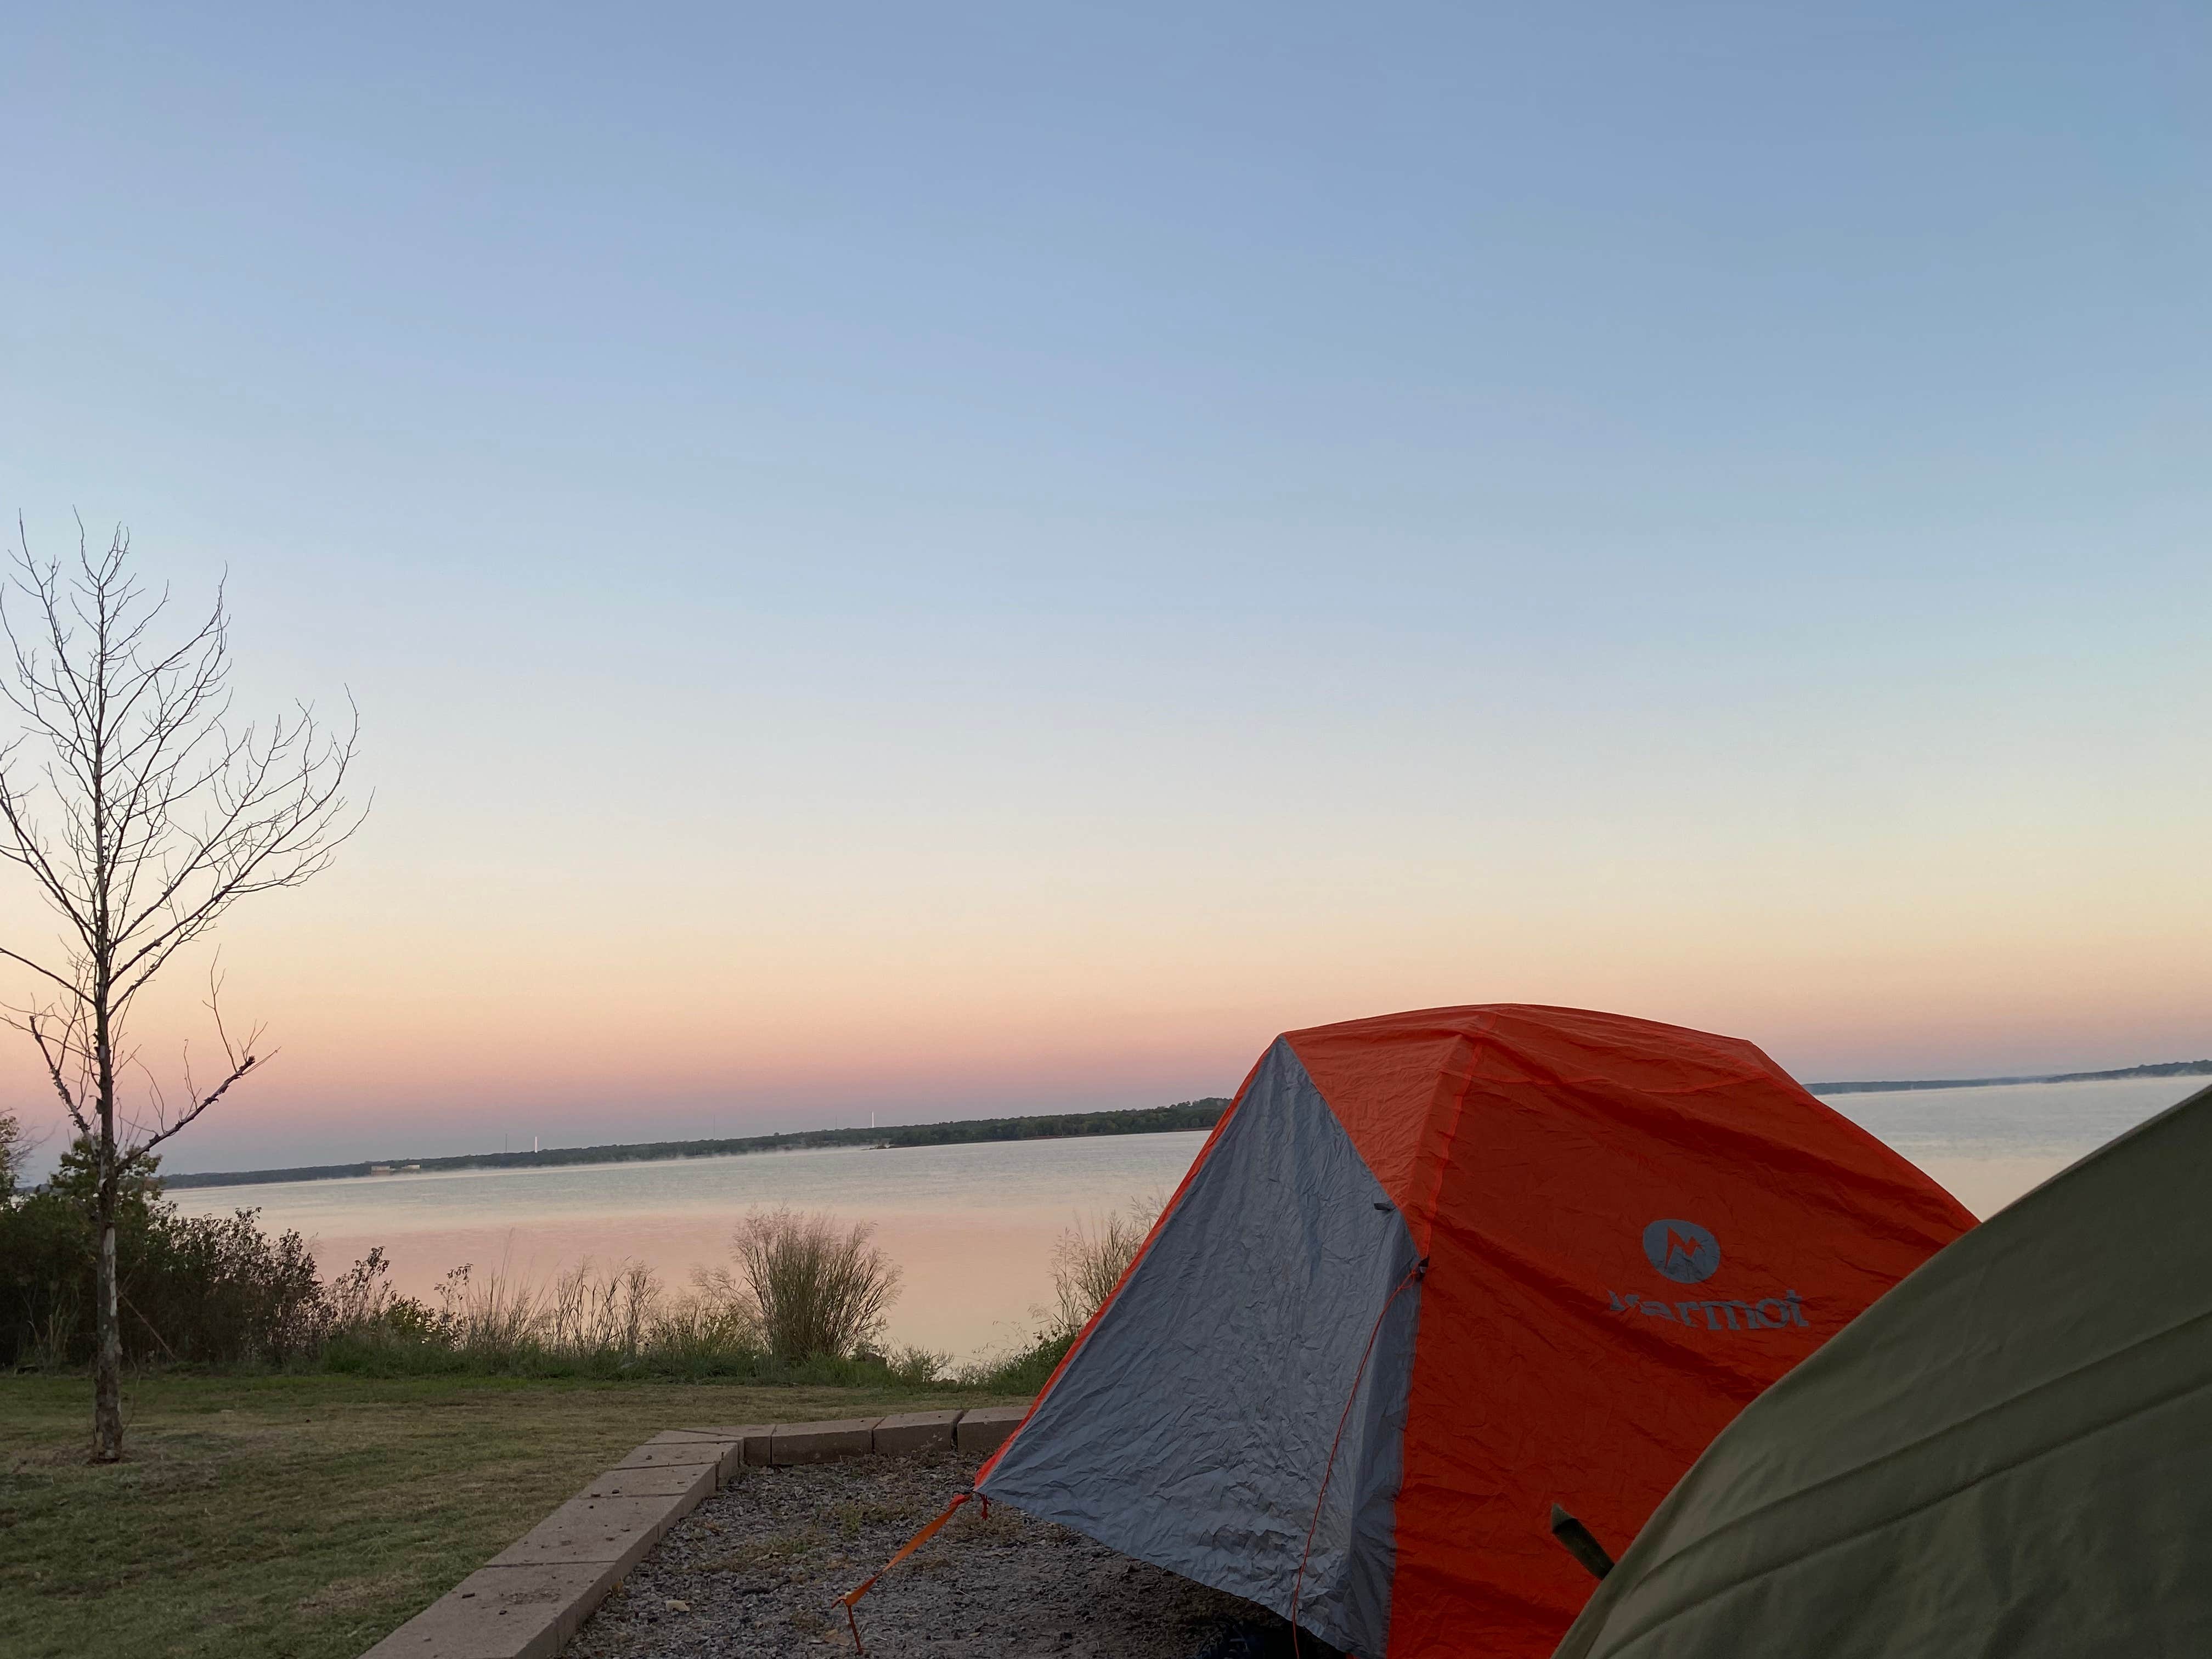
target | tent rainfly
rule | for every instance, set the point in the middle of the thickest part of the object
(2010, 1453)
(1436, 1272)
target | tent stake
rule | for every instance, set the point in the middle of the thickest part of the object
(911, 1544)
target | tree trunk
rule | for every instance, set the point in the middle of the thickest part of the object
(107, 1364)
(107, 1325)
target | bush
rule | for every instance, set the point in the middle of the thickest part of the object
(201, 1289)
(220, 1290)
(816, 1290)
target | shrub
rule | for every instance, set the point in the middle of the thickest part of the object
(217, 1289)
(817, 1290)
(205, 1289)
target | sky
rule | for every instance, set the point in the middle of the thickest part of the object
(935, 561)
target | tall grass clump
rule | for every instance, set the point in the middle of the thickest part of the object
(1091, 1256)
(594, 1320)
(817, 1289)
(804, 1302)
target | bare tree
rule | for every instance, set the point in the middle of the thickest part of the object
(142, 814)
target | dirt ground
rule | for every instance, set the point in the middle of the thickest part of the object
(757, 1568)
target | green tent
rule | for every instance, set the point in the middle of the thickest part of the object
(2009, 1454)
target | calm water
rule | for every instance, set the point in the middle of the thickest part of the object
(974, 1227)
(1989, 1146)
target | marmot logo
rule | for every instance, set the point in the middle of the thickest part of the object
(1682, 1250)
(1773, 1314)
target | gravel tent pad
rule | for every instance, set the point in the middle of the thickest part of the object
(756, 1571)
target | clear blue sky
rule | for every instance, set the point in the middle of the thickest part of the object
(909, 558)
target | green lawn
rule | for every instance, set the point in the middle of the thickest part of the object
(303, 1517)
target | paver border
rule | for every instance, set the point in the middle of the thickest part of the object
(532, 1596)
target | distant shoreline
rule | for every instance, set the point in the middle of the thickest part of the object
(1145, 1120)
(2168, 1068)
(1149, 1120)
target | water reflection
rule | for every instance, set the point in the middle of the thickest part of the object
(973, 1227)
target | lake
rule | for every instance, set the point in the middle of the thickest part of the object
(974, 1227)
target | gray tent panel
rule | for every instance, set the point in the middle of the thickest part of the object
(2009, 1454)
(1191, 1429)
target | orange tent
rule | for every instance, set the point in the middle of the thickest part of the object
(1433, 1273)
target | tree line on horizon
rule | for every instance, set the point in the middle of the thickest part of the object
(1183, 1114)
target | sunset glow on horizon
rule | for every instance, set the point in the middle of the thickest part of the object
(953, 571)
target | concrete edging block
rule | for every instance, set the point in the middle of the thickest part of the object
(689, 1454)
(688, 1483)
(823, 1443)
(915, 1431)
(748, 1441)
(988, 1427)
(618, 1530)
(723, 1448)
(503, 1613)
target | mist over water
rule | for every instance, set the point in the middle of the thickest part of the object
(973, 1226)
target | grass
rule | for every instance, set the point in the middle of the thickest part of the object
(303, 1516)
